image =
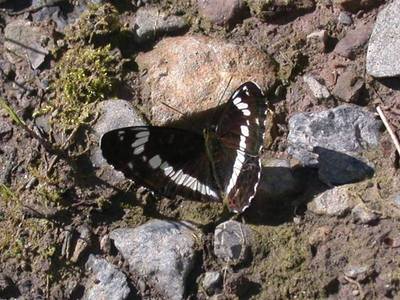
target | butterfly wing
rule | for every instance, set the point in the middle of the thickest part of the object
(240, 132)
(168, 161)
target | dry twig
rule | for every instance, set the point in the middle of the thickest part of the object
(388, 128)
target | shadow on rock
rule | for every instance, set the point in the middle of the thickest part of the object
(337, 168)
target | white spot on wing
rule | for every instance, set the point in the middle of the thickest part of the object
(155, 161)
(138, 150)
(242, 142)
(242, 105)
(237, 100)
(140, 141)
(244, 130)
(246, 112)
(142, 134)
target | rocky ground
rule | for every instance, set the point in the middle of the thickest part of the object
(324, 223)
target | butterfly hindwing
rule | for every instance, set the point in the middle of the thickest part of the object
(240, 132)
(169, 161)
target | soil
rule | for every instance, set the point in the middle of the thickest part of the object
(48, 193)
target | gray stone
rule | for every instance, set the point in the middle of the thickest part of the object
(52, 13)
(114, 113)
(317, 89)
(232, 242)
(150, 23)
(348, 86)
(277, 179)
(333, 202)
(358, 272)
(159, 252)
(353, 42)
(106, 281)
(221, 12)
(346, 128)
(23, 40)
(212, 282)
(384, 44)
(345, 18)
(362, 215)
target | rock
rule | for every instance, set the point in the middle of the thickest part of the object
(384, 44)
(333, 202)
(272, 8)
(221, 12)
(149, 23)
(51, 13)
(345, 18)
(24, 40)
(336, 168)
(358, 272)
(105, 281)
(212, 282)
(348, 86)
(114, 113)
(318, 40)
(159, 252)
(232, 242)
(192, 72)
(105, 244)
(277, 179)
(362, 215)
(318, 90)
(83, 243)
(346, 128)
(356, 5)
(353, 42)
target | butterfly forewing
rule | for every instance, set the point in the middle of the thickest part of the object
(169, 161)
(241, 125)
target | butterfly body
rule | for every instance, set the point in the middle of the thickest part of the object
(220, 164)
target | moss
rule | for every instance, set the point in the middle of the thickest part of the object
(94, 24)
(284, 257)
(85, 75)
(200, 213)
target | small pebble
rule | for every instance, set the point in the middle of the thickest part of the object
(212, 282)
(345, 18)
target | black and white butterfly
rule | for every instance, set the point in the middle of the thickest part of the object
(221, 164)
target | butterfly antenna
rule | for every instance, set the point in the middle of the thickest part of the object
(173, 108)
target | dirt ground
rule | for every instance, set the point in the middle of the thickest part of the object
(49, 189)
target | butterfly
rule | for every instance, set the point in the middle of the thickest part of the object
(220, 164)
